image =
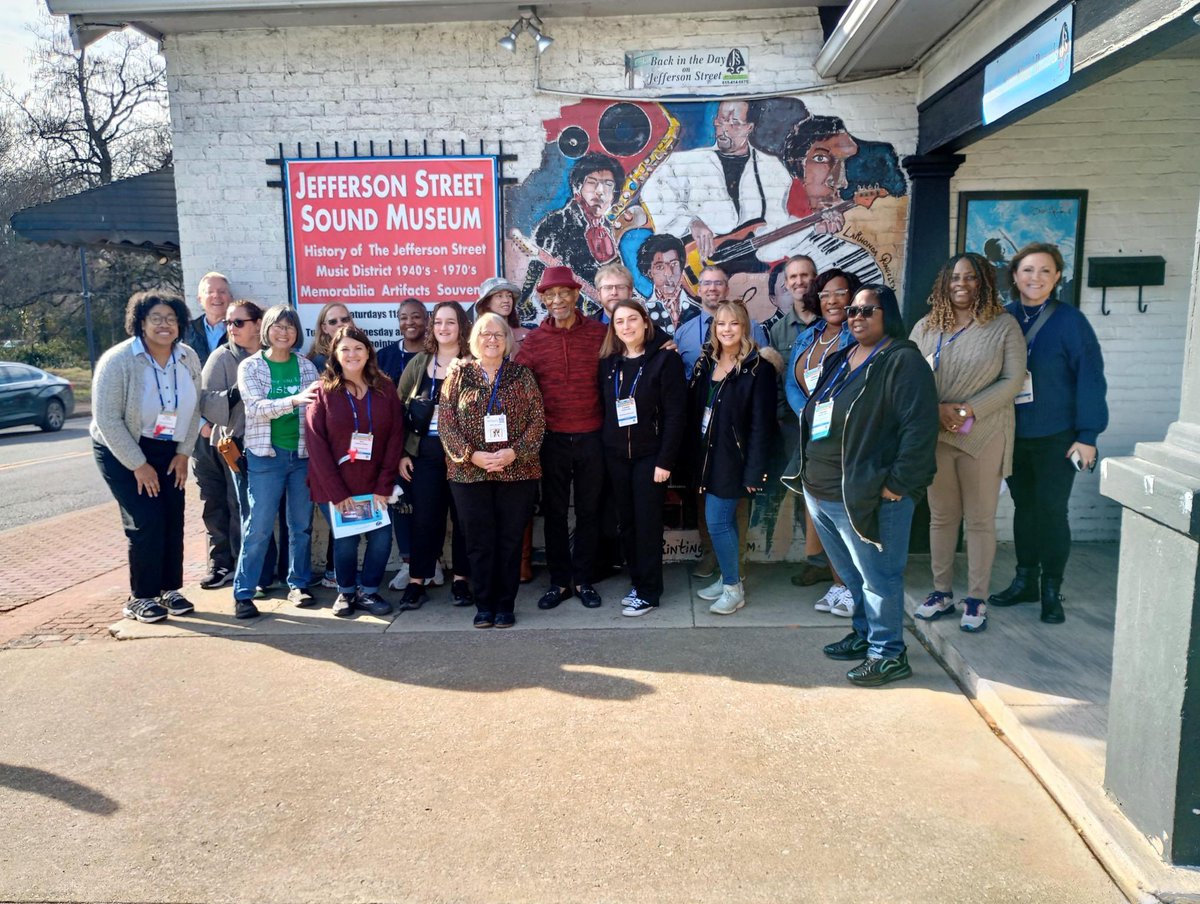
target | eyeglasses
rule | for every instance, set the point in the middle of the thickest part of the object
(283, 325)
(866, 311)
(238, 322)
(714, 282)
(835, 293)
(163, 320)
(335, 321)
(491, 337)
(559, 294)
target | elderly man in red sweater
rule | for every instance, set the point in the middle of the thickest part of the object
(564, 355)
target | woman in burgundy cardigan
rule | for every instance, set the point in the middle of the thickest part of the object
(355, 433)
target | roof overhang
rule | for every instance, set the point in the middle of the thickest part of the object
(878, 36)
(135, 214)
(91, 19)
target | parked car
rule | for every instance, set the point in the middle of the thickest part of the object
(32, 396)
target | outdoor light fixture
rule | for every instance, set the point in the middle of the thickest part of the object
(529, 22)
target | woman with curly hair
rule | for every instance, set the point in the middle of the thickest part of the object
(827, 298)
(978, 359)
(355, 437)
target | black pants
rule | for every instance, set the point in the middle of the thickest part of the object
(153, 524)
(430, 501)
(640, 510)
(571, 460)
(1041, 484)
(493, 514)
(220, 510)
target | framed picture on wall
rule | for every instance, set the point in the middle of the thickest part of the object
(997, 224)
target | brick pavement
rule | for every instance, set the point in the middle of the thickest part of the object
(63, 580)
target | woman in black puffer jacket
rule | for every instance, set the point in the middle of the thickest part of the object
(732, 409)
(645, 413)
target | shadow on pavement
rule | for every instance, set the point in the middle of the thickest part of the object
(56, 787)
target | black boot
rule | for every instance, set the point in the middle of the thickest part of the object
(1052, 600)
(1023, 589)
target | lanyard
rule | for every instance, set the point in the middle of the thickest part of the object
(496, 387)
(834, 390)
(354, 411)
(937, 355)
(617, 380)
(158, 385)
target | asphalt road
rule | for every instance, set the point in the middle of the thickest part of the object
(46, 474)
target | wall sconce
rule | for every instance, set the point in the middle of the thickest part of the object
(529, 22)
(1113, 272)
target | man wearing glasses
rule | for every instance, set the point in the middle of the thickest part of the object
(218, 495)
(691, 336)
(564, 355)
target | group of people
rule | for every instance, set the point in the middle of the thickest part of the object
(467, 421)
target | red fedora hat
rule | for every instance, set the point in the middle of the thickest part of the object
(554, 277)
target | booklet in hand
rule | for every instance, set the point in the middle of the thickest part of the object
(364, 516)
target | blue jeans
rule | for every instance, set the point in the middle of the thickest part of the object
(266, 479)
(875, 578)
(267, 576)
(721, 517)
(375, 559)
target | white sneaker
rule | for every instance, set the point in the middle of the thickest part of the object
(400, 581)
(825, 603)
(329, 580)
(844, 604)
(974, 617)
(732, 599)
(713, 591)
(438, 578)
(637, 606)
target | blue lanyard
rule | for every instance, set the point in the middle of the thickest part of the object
(937, 355)
(354, 411)
(617, 380)
(830, 393)
(158, 385)
(496, 387)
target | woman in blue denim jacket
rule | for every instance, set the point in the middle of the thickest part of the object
(828, 334)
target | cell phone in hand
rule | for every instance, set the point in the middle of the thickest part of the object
(1077, 460)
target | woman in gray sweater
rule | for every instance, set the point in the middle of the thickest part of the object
(145, 419)
(977, 354)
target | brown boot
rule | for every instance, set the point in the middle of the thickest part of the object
(527, 554)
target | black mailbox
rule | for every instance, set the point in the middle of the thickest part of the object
(1119, 272)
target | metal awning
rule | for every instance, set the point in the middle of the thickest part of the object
(129, 214)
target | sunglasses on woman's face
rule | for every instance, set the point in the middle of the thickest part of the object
(338, 321)
(866, 311)
(238, 322)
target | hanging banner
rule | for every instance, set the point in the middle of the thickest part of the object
(1037, 64)
(371, 232)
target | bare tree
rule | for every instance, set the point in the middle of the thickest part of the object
(96, 115)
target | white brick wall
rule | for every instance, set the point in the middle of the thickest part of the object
(1132, 142)
(236, 95)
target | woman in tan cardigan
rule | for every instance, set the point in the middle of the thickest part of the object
(978, 358)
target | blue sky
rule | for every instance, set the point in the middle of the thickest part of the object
(16, 42)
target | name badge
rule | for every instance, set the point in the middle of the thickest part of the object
(361, 445)
(705, 419)
(495, 428)
(626, 412)
(812, 376)
(164, 425)
(1025, 396)
(822, 418)
(433, 421)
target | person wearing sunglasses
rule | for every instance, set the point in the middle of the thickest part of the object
(221, 405)
(145, 420)
(1061, 411)
(826, 299)
(491, 421)
(331, 318)
(978, 361)
(867, 439)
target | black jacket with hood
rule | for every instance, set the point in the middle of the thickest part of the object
(890, 436)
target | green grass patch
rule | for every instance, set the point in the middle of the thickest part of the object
(81, 377)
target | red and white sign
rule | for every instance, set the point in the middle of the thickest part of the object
(370, 232)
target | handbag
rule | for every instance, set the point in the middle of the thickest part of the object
(418, 415)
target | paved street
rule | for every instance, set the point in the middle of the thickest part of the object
(44, 474)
